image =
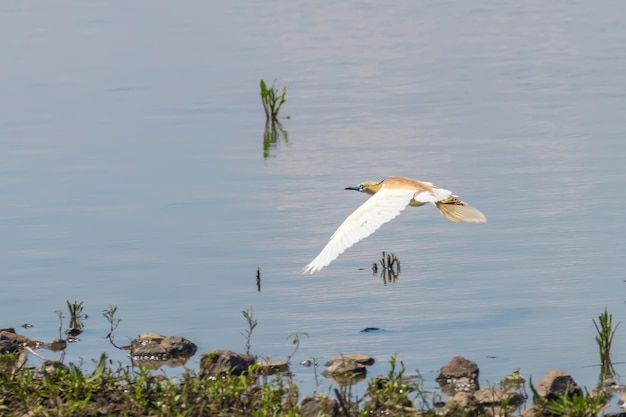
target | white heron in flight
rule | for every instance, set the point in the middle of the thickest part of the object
(389, 197)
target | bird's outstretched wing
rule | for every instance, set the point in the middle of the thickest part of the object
(383, 206)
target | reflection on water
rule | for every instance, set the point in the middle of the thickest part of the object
(390, 268)
(273, 134)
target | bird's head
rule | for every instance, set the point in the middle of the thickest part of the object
(368, 187)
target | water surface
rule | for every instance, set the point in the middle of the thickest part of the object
(132, 173)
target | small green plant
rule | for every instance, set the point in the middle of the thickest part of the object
(272, 100)
(75, 309)
(576, 404)
(252, 323)
(604, 339)
(114, 321)
(392, 392)
(295, 339)
(395, 394)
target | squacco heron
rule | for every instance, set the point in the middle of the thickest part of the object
(389, 197)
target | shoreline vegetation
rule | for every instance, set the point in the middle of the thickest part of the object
(231, 384)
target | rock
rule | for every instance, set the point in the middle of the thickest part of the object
(493, 396)
(178, 346)
(460, 374)
(357, 357)
(371, 329)
(534, 411)
(73, 332)
(458, 367)
(11, 341)
(155, 347)
(50, 367)
(56, 345)
(556, 383)
(462, 404)
(155, 350)
(352, 366)
(382, 382)
(347, 367)
(319, 407)
(224, 362)
(513, 380)
(8, 344)
(268, 367)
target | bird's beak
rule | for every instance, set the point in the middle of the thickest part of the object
(355, 188)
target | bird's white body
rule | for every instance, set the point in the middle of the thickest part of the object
(389, 197)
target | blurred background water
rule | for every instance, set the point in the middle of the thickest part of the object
(133, 172)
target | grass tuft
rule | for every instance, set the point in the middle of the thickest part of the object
(604, 339)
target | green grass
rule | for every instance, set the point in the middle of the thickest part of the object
(60, 390)
(272, 100)
(56, 389)
(579, 404)
(604, 339)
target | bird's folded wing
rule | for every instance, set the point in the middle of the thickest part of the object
(378, 210)
(432, 196)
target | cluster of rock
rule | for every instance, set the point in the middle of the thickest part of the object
(220, 362)
(12, 342)
(458, 379)
(345, 369)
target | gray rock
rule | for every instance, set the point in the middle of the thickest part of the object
(11, 341)
(178, 346)
(268, 367)
(319, 407)
(556, 383)
(155, 347)
(56, 345)
(8, 344)
(351, 365)
(494, 396)
(51, 367)
(462, 404)
(345, 368)
(535, 411)
(224, 361)
(357, 357)
(458, 375)
(513, 380)
(459, 367)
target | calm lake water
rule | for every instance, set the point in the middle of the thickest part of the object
(132, 173)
